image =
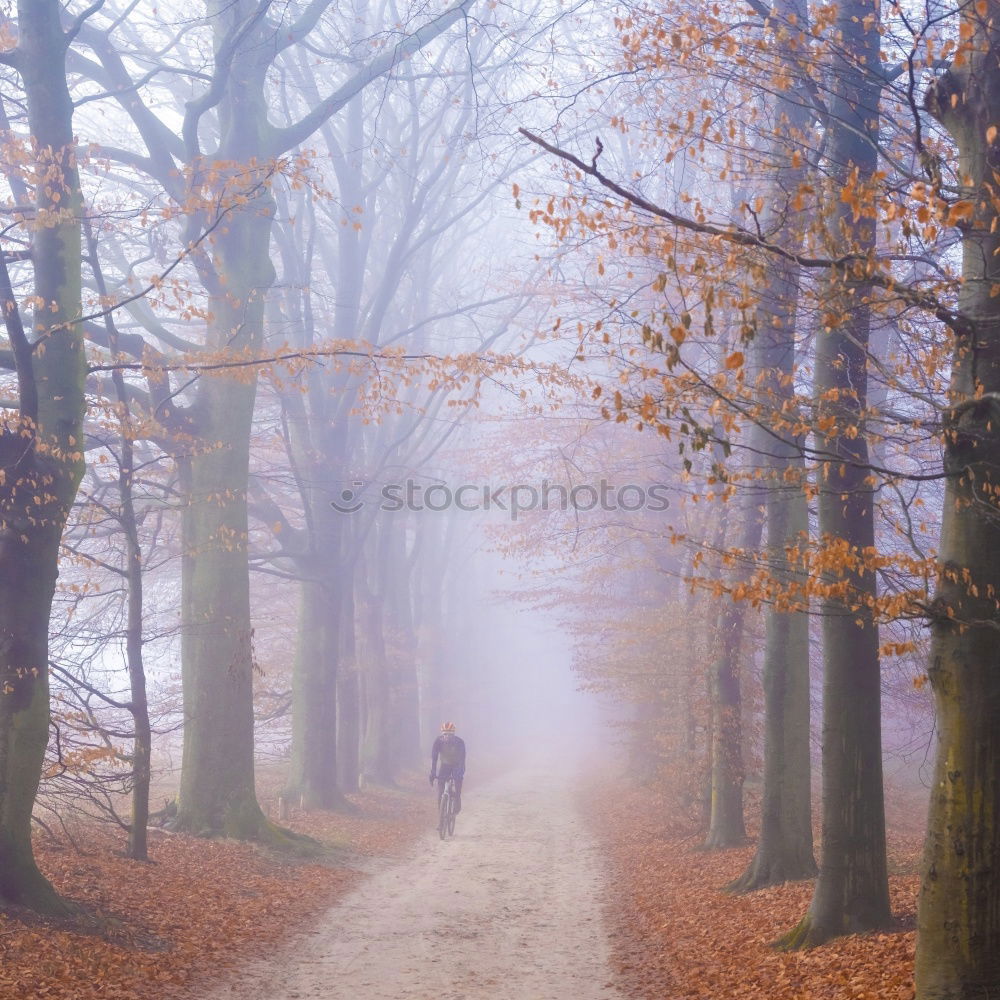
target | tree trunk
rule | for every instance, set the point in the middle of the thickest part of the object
(376, 745)
(726, 826)
(958, 944)
(41, 454)
(852, 892)
(142, 741)
(217, 792)
(785, 848)
(349, 728)
(142, 744)
(348, 700)
(217, 775)
(27, 583)
(314, 697)
(405, 697)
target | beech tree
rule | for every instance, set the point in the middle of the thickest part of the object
(958, 949)
(785, 844)
(41, 444)
(852, 892)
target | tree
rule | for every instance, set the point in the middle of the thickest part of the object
(41, 448)
(958, 949)
(852, 891)
(785, 845)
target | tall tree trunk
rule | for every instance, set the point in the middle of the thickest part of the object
(726, 827)
(41, 454)
(348, 701)
(958, 943)
(852, 891)
(376, 745)
(349, 695)
(405, 697)
(142, 741)
(785, 848)
(217, 793)
(217, 777)
(313, 774)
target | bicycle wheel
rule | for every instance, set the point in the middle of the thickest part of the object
(444, 811)
(451, 818)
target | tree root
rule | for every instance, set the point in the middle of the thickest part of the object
(287, 841)
(35, 893)
(245, 820)
(802, 936)
(760, 875)
(716, 842)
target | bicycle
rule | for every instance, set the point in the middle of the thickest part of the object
(446, 809)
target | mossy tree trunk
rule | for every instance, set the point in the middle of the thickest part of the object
(217, 793)
(851, 893)
(217, 776)
(958, 942)
(41, 457)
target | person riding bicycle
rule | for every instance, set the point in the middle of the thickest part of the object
(450, 750)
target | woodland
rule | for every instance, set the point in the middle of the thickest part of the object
(340, 339)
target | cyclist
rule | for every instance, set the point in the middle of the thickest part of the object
(450, 748)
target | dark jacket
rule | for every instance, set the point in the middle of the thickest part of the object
(451, 751)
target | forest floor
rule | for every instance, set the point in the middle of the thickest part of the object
(675, 935)
(199, 908)
(548, 891)
(508, 909)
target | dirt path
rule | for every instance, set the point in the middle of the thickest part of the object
(510, 908)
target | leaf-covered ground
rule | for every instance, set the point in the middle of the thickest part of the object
(153, 930)
(674, 934)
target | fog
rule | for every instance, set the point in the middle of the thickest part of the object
(571, 374)
(365, 415)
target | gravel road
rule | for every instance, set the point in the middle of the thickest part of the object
(508, 909)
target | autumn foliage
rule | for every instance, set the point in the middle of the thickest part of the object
(194, 911)
(675, 934)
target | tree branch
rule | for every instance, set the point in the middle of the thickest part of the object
(293, 135)
(742, 237)
(21, 349)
